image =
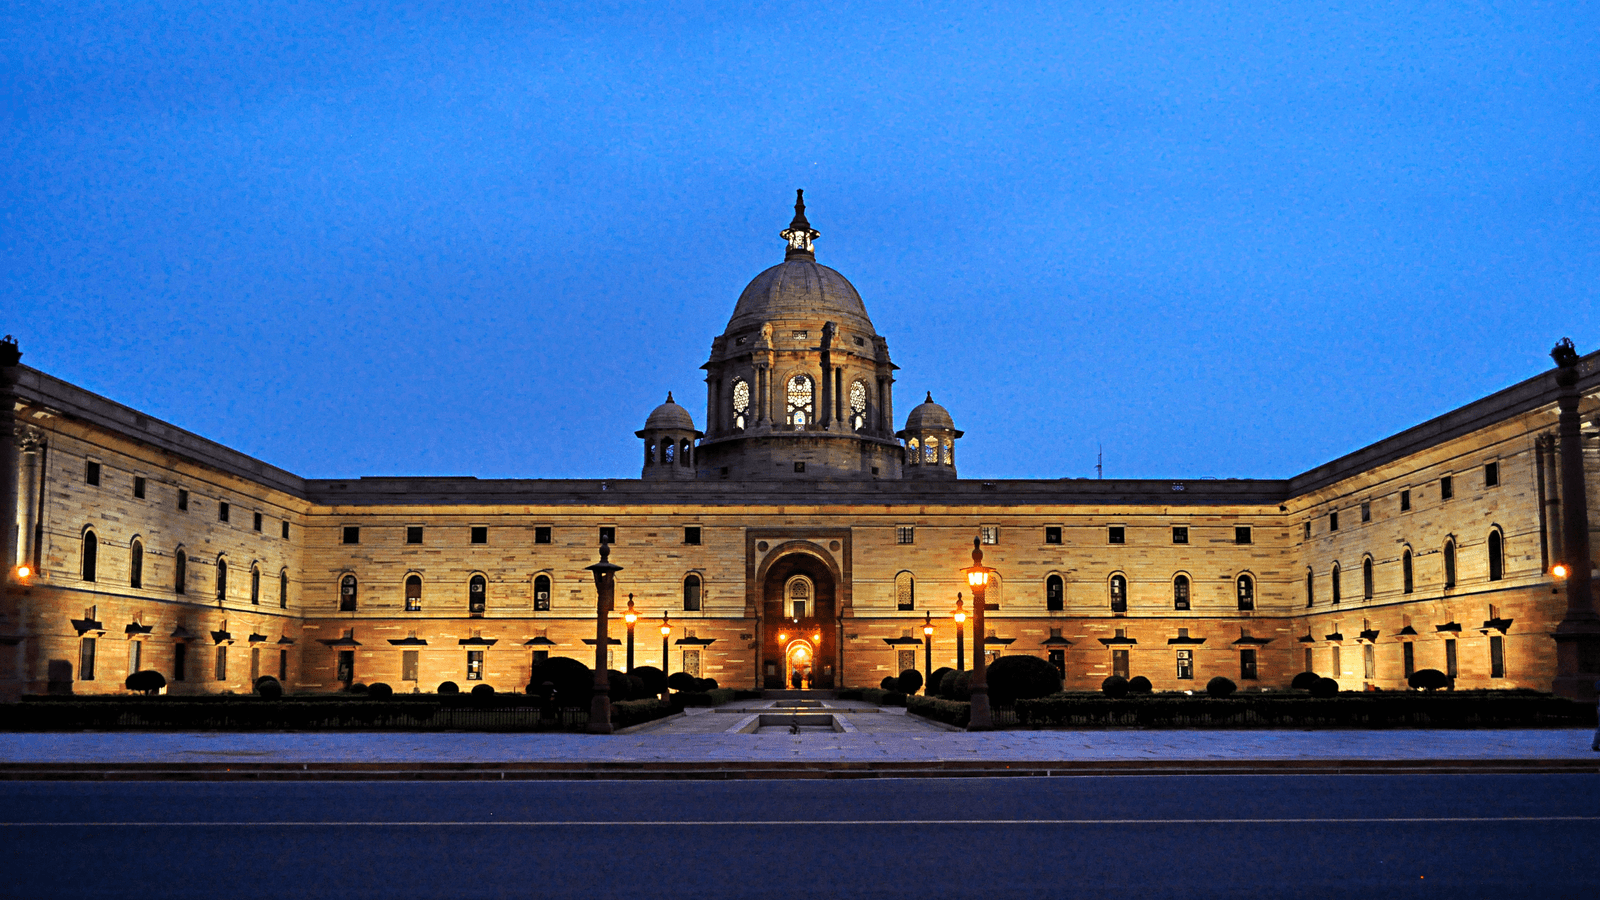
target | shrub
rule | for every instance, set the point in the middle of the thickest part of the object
(1021, 677)
(357, 688)
(654, 680)
(957, 686)
(1305, 681)
(482, 690)
(636, 689)
(711, 684)
(948, 711)
(1325, 688)
(269, 688)
(449, 687)
(1139, 684)
(909, 682)
(632, 712)
(380, 691)
(1428, 680)
(146, 681)
(936, 680)
(1221, 687)
(1115, 687)
(572, 681)
(681, 681)
(620, 688)
(889, 683)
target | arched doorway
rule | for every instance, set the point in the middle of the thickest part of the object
(799, 619)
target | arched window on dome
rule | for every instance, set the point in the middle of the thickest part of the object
(949, 452)
(649, 453)
(669, 453)
(913, 452)
(930, 451)
(683, 453)
(800, 393)
(741, 403)
(858, 405)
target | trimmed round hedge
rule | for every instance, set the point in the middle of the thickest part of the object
(146, 681)
(1021, 677)
(889, 683)
(269, 688)
(449, 687)
(1139, 684)
(1325, 688)
(573, 681)
(936, 680)
(653, 679)
(1428, 680)
(482, 690)
(1221, 687)
(380, 691)
(681, 681)
(957, 686)
(1115, 687)
(909, 682)
(1305, 681)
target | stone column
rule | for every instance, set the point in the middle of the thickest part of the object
(1578, 635)
(1549, 498)
(10, 539)
(31, 443)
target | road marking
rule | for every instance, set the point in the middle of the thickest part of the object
(783, 823)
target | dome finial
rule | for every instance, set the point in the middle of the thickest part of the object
(799, 234)
(669, 397)
(930, 397)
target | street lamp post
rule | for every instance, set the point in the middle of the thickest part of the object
(666, 632)
(605, 572)
(961, 625)
(630, 617)
(927, 649)
(978, 580)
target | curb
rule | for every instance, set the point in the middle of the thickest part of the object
(718, 771)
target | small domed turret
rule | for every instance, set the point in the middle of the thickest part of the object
(669, 442)
(930, 435)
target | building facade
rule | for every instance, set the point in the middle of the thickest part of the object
(800, 536)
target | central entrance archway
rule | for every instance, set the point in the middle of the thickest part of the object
(799, 619)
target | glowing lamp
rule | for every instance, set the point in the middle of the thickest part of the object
(666, 630)
(1559, 570)
(927, 630)
(782, 636)
(961, 616)
(23, 572)
(977, 577)
(817, 637)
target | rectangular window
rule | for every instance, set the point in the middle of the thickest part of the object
(1052, 534)
(255, 664)
(283, 666)
(1409, 657)
(1491, 475)
(91, 473)
(284, 529)
(691, 534)
(474, 665)
(989, 533)
(1241, 534)
(1333, 521)
(1497, 656)
(1369, 661)
(905, 534)
(1058, 661)
(352, 534)
(135, 655)
(1186, 665)
(345, 669)
(480, 534)
(1405, 501)
(541, 534)
(608, 534)
(1447, 488)
(413, 534)
(1338, 665)
(1308, 530)
(1180, 534)
(1366, 512)
(180, 661)
(408, 665)
(86, 660)
(1450, 657)
(138, 486)
(1247, 665)
(222, 663)
(222, 512)
(256, 523)
(1116, 534)
(183, 499)
(1119, 663)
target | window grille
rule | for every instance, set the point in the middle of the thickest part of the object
(741, 403)
(800, 400)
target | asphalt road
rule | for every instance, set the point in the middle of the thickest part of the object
(1504, 836)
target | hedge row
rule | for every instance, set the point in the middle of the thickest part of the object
(713, 697)
(1362, 710)
(950, 712)
(882, 697)
(633, 712)
(246, 714)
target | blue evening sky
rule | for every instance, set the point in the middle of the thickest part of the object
(1232, 240)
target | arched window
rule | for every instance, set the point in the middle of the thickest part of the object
(683, 454)
(477, 594)
(1407, 581)
(691, 593)
(1180, 592)
(1054, 594)
(136, 564)
(1497, 559)
(800, 394)
(91, 555)
(669, 453)
(413, 593)
(1247, 592)
(913, 452)
(1119, 593)
(1366, 578)
(1311, 587)
(222, 579)
(180, 572)
(1449, 564)
(283, 589)
(255, 585)
(798, 592)
(930, 451)
(949, 452)
(347, 594)
(541, 593)
(858, 405)
(649, 453)
(905, 591)
(1333, 582)
(741, 403)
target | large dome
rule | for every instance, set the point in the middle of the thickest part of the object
(800, 288)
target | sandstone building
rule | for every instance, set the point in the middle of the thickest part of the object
(796, 528)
